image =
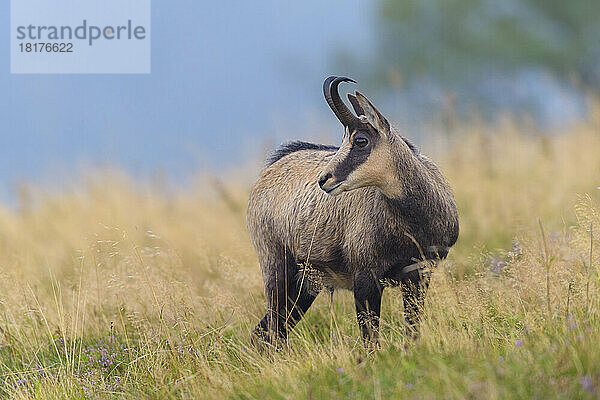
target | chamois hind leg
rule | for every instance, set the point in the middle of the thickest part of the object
(414, 288)
(288, 299)
(367, 299)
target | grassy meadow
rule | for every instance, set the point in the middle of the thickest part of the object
(113, 289)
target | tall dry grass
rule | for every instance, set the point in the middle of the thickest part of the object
(110, 289)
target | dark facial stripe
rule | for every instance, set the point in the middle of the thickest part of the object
(353, 160)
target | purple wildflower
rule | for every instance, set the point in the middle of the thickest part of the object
(519, 343)
(573, 326)
(340, 370)
(586, 383)
(497, 265)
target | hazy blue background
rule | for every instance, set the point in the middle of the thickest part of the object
(225, 75)
(229, 77)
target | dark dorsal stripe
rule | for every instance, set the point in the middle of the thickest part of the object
(292, 147)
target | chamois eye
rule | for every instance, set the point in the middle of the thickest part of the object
(361, 141)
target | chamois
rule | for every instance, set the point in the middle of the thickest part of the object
(373, 212)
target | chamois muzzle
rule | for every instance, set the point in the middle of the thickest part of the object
(323, 180)
(328, 183)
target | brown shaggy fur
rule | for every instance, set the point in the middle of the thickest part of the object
(391, 209)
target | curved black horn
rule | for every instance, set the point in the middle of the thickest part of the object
(330, 90)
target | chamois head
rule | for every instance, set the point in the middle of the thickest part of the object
(365, 157)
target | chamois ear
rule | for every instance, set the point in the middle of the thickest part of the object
(372, 114)
(356, 105)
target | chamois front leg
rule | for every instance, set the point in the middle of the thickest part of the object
(367, 299)
(414, 289)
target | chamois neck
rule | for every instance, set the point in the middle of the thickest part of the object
(421, 198)
(408, 178)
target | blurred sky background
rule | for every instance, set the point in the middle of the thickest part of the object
(230, 77)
